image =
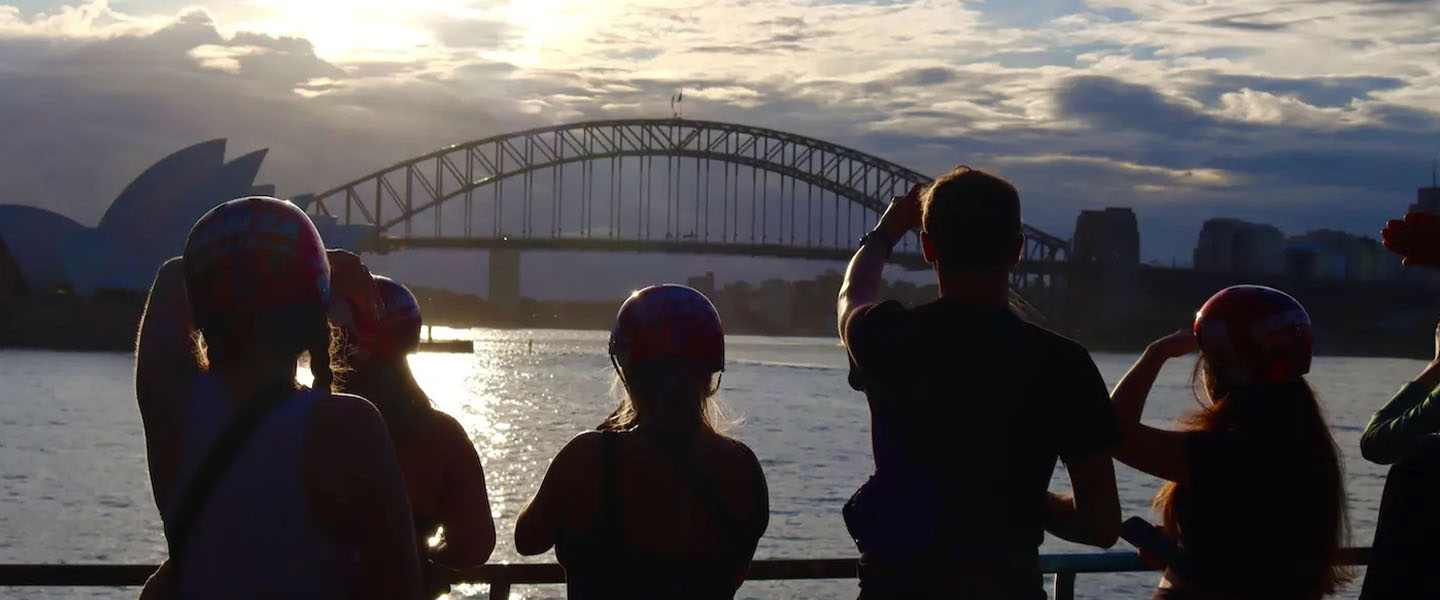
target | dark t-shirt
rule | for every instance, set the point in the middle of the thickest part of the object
(976, 404)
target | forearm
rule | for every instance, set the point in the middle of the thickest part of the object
(1409, 416)
(166, 342)
(1063, 519)
(862, 281)
(1128, 398)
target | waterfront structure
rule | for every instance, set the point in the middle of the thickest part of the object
(1109, 237)
(646, 185)
(145, 225)
(1328, 254)
(1427, 199)
(1239, 247)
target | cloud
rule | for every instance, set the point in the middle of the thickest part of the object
(1185, 111)
(1106, 103)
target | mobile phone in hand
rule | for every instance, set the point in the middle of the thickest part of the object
(1150, 540)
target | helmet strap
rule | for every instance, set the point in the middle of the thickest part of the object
(619, 372)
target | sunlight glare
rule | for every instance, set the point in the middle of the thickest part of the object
(347, 31)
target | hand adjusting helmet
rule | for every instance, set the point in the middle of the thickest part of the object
(668, 321)
(399, 330)
(1255, 334)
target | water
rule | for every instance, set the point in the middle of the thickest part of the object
(73, 484)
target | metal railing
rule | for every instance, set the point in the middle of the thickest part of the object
(501, 577)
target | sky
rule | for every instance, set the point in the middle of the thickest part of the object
(1301, 114)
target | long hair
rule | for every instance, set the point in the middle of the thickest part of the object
(285, 332)
(1289, 417)
(673, 386)
(391, 387)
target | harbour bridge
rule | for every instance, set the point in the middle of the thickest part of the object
(644, 185)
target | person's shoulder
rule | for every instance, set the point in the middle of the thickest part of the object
(446, 429)
(883, 309)
(585, 443)
(345, 407)
(1052, 343)
(736, 450)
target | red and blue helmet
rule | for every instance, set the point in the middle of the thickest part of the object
(668, 321)
(1255, 334)
(253, 254)
(399, 330)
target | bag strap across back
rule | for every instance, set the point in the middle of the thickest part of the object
(216, 464)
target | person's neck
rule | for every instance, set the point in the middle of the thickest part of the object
(978, 288)
(669, 425)
(248, 378)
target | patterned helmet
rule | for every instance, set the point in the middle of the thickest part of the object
(399, 330)
(1255, 334)
(668, 321)
(253, 254)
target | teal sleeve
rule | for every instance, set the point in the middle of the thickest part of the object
(1409, 416)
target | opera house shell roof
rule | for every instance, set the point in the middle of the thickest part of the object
(146, 224)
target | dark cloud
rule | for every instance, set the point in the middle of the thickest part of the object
(1239, 23)
(1107, 103)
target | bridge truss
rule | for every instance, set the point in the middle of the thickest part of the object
(653, 185)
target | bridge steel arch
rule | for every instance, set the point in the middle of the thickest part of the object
(390, 199)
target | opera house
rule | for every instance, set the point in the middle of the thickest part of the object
(56, 274)
(146, 224)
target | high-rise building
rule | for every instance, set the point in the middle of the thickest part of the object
(1239, 247)
(1106, 237)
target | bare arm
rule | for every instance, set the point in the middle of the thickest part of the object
(1159, 452)
(862, 277)
(1091, 515)
(465, 506)
(358, 495)
(538, 526)
(165, 371)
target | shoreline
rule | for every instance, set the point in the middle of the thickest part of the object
(1106, 348)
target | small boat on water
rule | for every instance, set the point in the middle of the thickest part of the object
(430, 344)
(457, 346)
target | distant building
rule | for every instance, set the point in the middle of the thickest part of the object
(1239, 247)
(1108, 237)
(1337, 255)
(704, 284)
(146, 224)
(1427, 199)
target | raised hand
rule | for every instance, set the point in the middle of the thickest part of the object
(1177, 344)
(1416, 238)
(354, 300)
(903, 214)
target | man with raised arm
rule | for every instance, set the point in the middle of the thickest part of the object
(970, 406)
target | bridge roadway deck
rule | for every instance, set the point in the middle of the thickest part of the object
(908, 260)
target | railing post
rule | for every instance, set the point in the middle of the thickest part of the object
(1065, 585)
(500, 589)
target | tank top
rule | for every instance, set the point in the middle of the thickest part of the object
(600, 564)
(255, 537)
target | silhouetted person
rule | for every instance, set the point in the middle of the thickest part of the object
(1255, 493)
(1405, 560)
(656, 504)
(310, 503)
(970, 406)
(443, 475)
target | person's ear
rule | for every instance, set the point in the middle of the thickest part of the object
(1017, 251)
(927, 248)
